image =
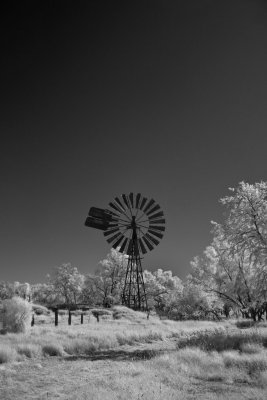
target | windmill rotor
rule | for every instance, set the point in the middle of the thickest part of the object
(135, 213)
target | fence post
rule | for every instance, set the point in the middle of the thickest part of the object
(69, 320)
(56, 317)
(81, 318)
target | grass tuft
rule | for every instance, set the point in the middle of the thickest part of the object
(221, 340)
(245, 323)
(251, 348)
(52, 349)
(7, 354)
(252, 363)
(30, 350)
(88, 345)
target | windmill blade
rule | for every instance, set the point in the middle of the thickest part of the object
(123, 245)
(118, 224)
(126, 201)
(116, 244)
(159, 235)
(157, 221)
(158, 228)
(157, 215)
(149, 245)
(131, 199)
(116, 207)
(111, 239)
(157, 207)
(138, 197)
(109, 232)
(114, 216)
(143, 202)
(130, 247)
(120, 203)
(141, 245)
(152, 239)
(109, 215)
(120, 216)
(149, 204)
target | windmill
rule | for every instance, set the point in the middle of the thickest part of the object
(133, 225)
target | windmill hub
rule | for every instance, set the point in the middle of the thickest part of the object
(133, 225)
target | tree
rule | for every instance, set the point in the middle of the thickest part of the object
(9, 290)
(22, 290)
(68, 284)
(197, 303)
(6, 290)
(105, 286)
(245, 228)
(234, 265)
(45, 294)
(163, 290)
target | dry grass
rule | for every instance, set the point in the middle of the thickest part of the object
(129, 328)
(30, 350)
(120, 359)
(7, 354)
(220, 339)
(52, 349)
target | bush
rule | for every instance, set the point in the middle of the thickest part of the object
(30, 350)
(40, 310)
(251, 348)
(16, 315)
(245, 323)
(62, 312)
(220, 340)
(53, 349)
(89, 345)
(122, 312)
(101, 312)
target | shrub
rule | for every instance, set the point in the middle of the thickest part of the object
(138, 338)
(89, 345)
(220, 340)
(16, 315)
(252, 363)
(53, 349)
(251, 348)
(40, 310)
(62, 312)
(80, 346)
(121, 312)
(30, 350)
(7, 354)
(101, 311)
(245, 323)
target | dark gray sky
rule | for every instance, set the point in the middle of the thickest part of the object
(166, 98)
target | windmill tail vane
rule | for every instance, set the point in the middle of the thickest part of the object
(133, 225)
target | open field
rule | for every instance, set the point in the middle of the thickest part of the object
(135, 358)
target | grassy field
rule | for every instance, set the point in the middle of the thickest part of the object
(131, 357)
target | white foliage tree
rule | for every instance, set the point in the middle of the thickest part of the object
(234, 265)
(105, 286)
(68, 284)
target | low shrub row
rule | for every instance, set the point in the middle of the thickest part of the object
(222, 340)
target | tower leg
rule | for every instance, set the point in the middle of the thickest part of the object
(134, 293)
